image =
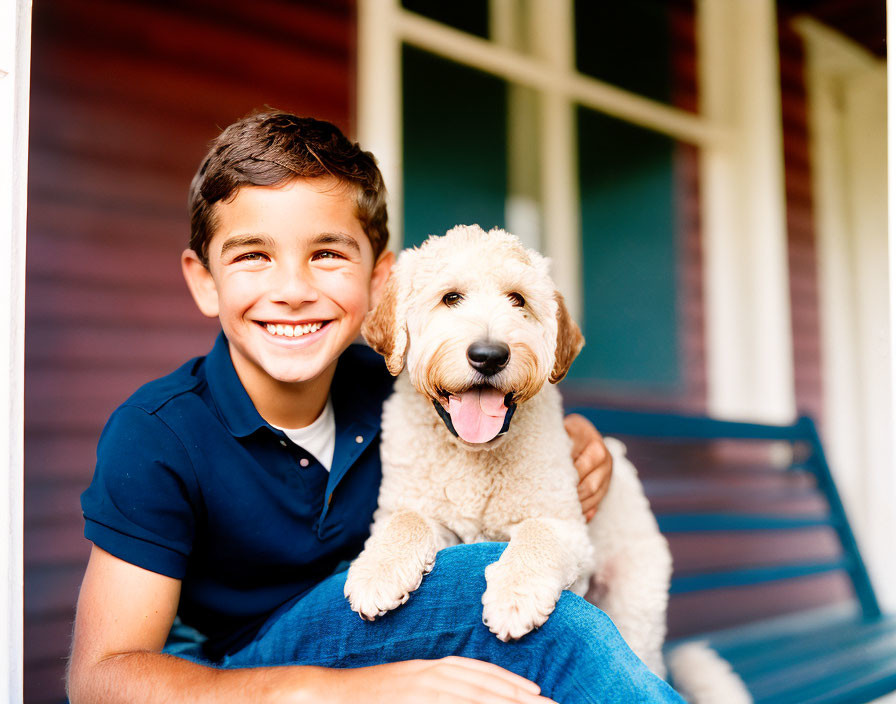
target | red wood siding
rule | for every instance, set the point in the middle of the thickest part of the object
(691, 309)
(125, 97)
(801, 244)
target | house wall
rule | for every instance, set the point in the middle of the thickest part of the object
(692, 336)
(802, 255)
(125, 97)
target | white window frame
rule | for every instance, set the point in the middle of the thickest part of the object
(15, 53)
(749, 341)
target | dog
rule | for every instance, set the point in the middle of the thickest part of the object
(474, 448)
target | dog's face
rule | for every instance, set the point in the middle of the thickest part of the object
(479, 324)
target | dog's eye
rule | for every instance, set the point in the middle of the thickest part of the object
(452, 299)
(516, 299)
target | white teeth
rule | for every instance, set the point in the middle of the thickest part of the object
(292, 330)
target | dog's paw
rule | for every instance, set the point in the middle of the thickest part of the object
(377, 583)
(516, 601)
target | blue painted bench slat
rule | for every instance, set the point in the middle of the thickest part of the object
(756, 575)
(738, 521)
(792, 608)
(817, 679)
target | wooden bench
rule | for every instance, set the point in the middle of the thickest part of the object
(767, 569)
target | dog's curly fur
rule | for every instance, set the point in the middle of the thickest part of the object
(520, 487)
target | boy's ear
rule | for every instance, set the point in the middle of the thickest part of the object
(380, 275)
(200, 282)
(569, 341)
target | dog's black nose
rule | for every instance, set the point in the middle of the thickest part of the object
(488, 358)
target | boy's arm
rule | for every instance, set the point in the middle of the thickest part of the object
(125, 613)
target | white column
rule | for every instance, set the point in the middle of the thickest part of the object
(748, 333)
(379, 113)
(848, 120)
(15, 54)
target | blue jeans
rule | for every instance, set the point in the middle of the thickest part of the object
(577, 656)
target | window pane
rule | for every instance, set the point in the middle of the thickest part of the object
(467, 15)
(644, 46)
(455, 146)
(629, 256)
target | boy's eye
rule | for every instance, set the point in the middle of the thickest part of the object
(452, 299)
(249, 257)
(327, 254)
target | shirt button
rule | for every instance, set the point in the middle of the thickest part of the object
(359, 439)
(283, 442)
(304, 462)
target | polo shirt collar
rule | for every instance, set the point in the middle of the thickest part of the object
(351, 396)
(352, 393)
(236, 409)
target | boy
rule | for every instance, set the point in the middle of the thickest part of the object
(228, 492)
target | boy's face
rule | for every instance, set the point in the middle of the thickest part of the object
(291, 276)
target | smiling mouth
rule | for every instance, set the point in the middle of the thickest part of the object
(477, 415)
(286, 330)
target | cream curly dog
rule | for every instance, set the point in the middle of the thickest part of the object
(473, 448)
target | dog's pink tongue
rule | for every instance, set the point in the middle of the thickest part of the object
(478, 414)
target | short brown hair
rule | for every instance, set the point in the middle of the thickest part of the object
(271, 148)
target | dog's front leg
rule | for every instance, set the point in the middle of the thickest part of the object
(401, 549)
(544, 557)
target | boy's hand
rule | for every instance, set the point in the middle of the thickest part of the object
(593, 462)
(452, 680)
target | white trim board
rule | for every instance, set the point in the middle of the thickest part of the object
(15, 53)
(891, 233)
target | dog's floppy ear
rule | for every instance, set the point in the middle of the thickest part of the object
(385, 329)
(569, 341)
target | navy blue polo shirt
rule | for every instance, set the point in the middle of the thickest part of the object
(192, 483)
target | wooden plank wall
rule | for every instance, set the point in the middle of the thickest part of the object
(125, 97)
(802, 254)
(691, 309)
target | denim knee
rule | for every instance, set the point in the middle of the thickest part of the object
(574, 616)
(471, 558)
(458, 576)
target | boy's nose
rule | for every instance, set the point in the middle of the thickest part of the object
(292, 287)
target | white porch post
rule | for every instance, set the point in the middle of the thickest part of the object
(847, 110)
(749, 341)
(15, 54)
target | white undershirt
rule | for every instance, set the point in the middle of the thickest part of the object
(319, 438)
